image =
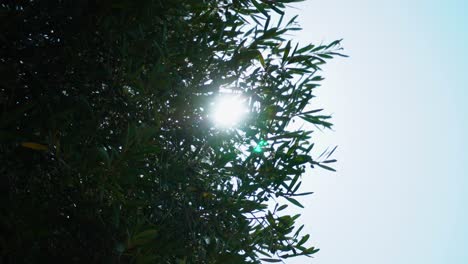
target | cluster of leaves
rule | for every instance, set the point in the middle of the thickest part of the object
(107, 151)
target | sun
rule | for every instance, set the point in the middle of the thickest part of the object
(228, 110)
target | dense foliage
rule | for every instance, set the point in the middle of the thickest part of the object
(108, 153)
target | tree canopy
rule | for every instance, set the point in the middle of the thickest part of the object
(108, 152)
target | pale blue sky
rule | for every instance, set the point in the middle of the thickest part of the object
(400, 110)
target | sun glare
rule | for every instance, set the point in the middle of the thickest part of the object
(228, 110)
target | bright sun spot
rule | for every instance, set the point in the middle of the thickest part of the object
(228, 110)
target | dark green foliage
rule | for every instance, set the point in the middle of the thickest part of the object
(107, 154)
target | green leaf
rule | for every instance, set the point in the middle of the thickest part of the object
(271, 260)
(294, 201)
(261, 59)
(277, 10)
(142, 238)
(260, 8)
(303, 240)
(286, 52)
(325, 167)
(302, 194)
(282, 207)
(311, 251)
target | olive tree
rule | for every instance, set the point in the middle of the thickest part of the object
(108, 149)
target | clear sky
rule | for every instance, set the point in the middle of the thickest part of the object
(400, 109)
